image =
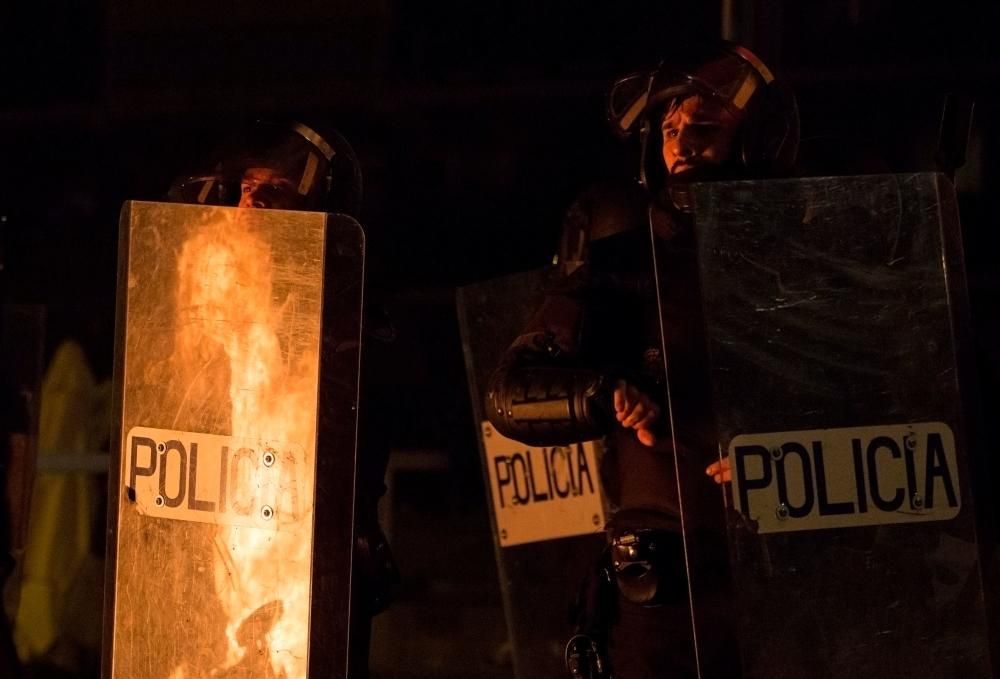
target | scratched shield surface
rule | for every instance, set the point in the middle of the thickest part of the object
(221, 321)
(834, 310)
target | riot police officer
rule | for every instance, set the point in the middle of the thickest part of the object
(291, 166)
(591, 363)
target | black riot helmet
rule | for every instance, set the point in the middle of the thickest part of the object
(767, 139)
(278, 165)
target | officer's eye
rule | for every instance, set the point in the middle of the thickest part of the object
(671, 133)
(246, 188)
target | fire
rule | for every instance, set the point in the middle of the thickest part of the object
(226, 299)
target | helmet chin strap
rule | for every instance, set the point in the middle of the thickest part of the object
(643, 139)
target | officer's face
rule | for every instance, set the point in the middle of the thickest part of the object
(698, 133)
(263, 187)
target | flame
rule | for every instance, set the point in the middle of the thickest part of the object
(225, 292)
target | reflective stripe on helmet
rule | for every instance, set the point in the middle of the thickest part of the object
(205, 190)
(311, 136)
(308, 174)
(751, 58)
(746, 91)
(634, 111)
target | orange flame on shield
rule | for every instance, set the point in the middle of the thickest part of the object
(261, 574)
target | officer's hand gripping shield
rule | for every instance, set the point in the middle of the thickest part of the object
(546, 503)
(231, 501)
(833, 315)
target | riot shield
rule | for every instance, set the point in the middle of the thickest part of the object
(231, 503)
(546, 504)
(832, 311)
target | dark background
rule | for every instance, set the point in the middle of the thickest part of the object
(476, 123)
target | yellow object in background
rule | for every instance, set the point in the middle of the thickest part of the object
(61, 577)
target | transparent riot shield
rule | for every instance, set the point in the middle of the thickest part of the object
(832, 312)
(231, 501)
(546, 504)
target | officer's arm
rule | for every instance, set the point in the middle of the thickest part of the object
(552, 404)
(546, 393)
(543, 393)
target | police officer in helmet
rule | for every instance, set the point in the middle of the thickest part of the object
(706, 113)
(281, 166)
(290, 166)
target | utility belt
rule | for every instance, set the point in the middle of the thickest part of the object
(648, 565)
(644, 566)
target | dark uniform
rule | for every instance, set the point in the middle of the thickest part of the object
(610, 319)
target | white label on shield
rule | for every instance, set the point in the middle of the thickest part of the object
(542, 493)
(837, 478)
(215, 479)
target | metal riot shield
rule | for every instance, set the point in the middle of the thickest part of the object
(231, 505)
(546, 504)
(833, 311)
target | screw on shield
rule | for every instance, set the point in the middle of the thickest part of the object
(917, 502)
(266, 512)
(158, 501)
(596, 519)
(268, 457)
(776, 453)
(160, 447)
(910, 440)
(503, 533)
(781, 511)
